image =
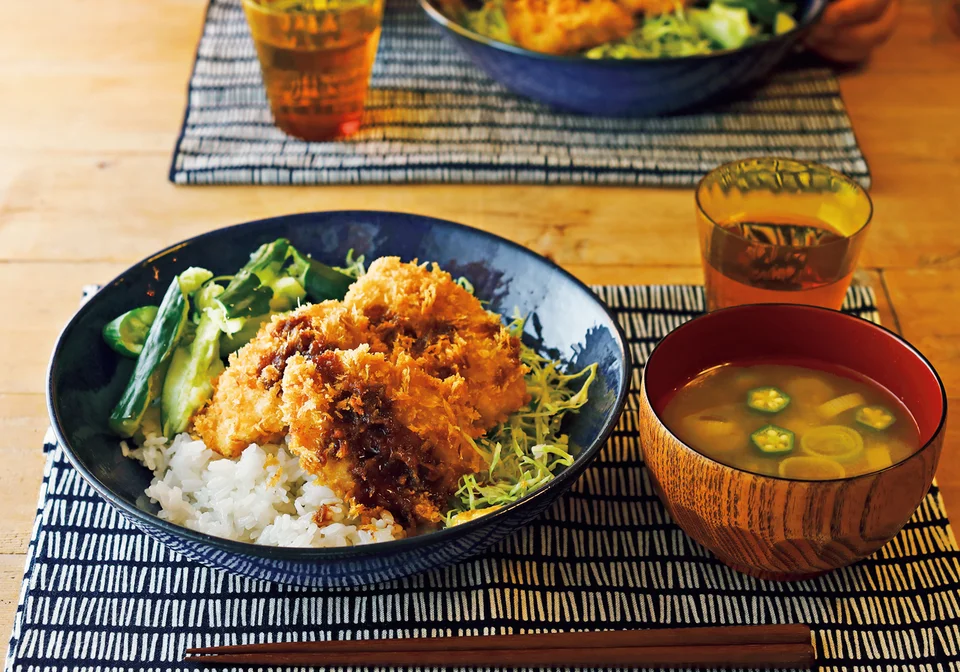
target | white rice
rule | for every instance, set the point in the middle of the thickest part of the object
(263, 497)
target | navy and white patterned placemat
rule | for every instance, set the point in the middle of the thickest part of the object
(434, 117)
(100, 596)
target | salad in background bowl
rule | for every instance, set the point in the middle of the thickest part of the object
(623, 29)
(625, 57)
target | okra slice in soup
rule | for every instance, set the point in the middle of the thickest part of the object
(767, 399)
(876, 418)
(773, 440)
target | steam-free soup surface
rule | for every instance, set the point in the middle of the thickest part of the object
(795, 422)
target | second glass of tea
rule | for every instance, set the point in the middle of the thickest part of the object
(316, 57)
(780, 231)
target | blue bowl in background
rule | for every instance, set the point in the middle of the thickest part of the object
(626, 87)
(86, 378)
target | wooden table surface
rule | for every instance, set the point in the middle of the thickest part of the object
(91, 100)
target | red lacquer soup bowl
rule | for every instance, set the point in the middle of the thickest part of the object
(773, 527)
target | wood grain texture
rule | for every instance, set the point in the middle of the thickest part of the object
(23, 422)
(54, 290)
(93, 97)
(775, 528)
(11, 576)
(772, 527)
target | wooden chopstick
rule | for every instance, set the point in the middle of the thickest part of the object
(786, 656)
(786, 646)
(735, 634)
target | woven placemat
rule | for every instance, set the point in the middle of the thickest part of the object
(99, 595)
(431, 116)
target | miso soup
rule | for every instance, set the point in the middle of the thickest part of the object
(795, 422)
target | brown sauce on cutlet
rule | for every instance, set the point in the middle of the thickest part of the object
(389, 327)
(434, 332)
(375, 313)
(291, 323)
(329, 366)
(390, 464)
(514, 351)
(489, 329)
(444, 372)
(299, 338)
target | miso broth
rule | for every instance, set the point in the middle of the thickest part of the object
(794, 422)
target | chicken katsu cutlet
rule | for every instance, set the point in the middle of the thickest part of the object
(422, 312)
(653, 7)
(562, 27)
(566, 26)
(245, 407)
(380, 395)
(382, 434)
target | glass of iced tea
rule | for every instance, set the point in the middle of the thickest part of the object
(316, 57)
(780, 231)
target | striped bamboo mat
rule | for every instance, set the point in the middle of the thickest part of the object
(100, 596)
(433, 117)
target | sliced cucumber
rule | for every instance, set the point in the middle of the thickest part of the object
(189, 381)
(127, 334)
(147, 378)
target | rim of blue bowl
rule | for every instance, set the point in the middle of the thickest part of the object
(804, 307)
(818, 7)
(560, 482)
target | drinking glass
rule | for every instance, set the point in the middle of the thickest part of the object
(316, 57)
(779, 231)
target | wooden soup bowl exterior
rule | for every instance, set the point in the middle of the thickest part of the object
(776, 528)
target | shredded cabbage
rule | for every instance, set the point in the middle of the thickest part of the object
(524, 452)
(728, 27)
(489, 20)
(664, 36)
(352, 266)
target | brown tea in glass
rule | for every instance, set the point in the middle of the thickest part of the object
(316, 57)
(779, 231)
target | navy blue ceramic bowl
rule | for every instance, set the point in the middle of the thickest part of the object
(86, 378)
(629, 87)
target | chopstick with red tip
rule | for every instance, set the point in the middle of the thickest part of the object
(760, 646)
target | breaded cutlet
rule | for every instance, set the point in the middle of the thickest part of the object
(381, 394)
(652, 7)
(379, 433)
(245, 407)
(421, 311)
(566, 26)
